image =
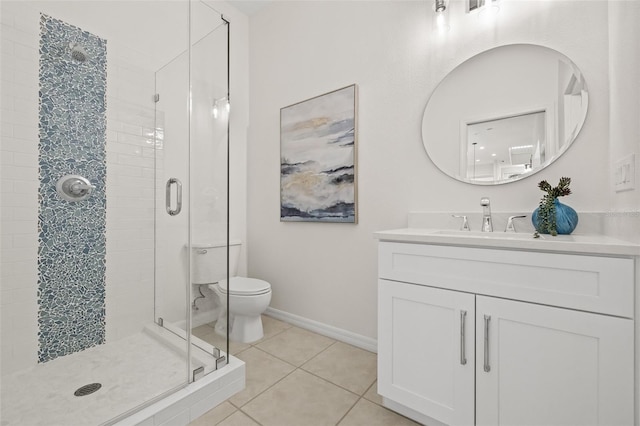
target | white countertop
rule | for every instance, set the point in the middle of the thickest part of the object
(580, 244)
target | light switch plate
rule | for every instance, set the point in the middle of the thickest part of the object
(624, 173)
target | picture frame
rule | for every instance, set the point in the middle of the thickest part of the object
(318, 158)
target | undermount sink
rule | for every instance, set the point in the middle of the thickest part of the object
(488, 235)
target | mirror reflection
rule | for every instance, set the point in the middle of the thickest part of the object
(504, 114)
(505, 147)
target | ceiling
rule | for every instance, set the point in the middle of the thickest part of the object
(250, 7)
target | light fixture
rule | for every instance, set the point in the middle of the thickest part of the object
(441, 15)
(219, 102)
(527, 147)
(489, 9)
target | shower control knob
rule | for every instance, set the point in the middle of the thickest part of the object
(74, 188)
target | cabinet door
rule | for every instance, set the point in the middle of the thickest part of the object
(426, 350)
(540, 365)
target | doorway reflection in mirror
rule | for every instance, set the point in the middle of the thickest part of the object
(505, 147)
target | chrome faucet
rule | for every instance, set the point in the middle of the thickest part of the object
(510, 225)
(487, 223)
(465, 222)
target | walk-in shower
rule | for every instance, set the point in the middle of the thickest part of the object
(113, 161)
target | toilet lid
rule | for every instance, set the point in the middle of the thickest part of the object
(245, 286)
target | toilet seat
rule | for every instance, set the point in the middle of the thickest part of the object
(242, 286)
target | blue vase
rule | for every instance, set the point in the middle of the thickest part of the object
(566, 219)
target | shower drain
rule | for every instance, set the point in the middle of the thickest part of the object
(87, 389)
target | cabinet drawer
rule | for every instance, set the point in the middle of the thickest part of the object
(589, 283)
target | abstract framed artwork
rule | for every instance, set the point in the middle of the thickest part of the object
(318, 141)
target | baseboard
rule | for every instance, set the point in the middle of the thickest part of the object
(345, 336)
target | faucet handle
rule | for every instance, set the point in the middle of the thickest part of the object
(510, 226)
(465, 222)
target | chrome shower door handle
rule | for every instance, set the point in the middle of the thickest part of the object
(178, 208)
(487, 367)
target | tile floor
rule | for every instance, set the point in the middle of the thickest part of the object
(299, 378)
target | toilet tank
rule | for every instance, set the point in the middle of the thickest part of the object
(209, 261)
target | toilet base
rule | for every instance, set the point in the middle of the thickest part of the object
(245, 329)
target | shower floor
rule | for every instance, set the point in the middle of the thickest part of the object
(132, 371)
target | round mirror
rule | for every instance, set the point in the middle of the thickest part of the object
(504, 114)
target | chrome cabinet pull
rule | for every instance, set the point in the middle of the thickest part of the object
(178, 196)
(487, 367)
(463, 355)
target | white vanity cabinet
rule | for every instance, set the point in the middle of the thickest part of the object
(551, 366)
(426, 355)
(498, 337)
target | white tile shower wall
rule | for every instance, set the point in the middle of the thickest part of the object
(19, 174)
(130, 193)
(130, 188)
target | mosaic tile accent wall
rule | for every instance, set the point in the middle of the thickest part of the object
(72, 133)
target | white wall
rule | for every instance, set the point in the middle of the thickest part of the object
(327, 272)
(624, 63)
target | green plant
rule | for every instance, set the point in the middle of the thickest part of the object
(547, 207)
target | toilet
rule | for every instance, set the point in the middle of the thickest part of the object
(248, 297)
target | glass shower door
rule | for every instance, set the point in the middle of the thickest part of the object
(191, 187)
(209, 176)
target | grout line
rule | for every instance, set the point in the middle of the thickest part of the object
(272, 355)
(226, 417)
(375, 382)
(316, 355)
(348, 411)
(257, 395)
(304, 362)
(330, 382)
(268, 338)
(247, 414)
(273, 384)
(296, 368)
